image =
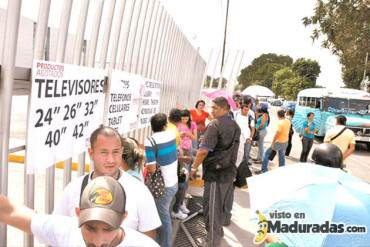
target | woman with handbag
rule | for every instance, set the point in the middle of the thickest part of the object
(162, 162)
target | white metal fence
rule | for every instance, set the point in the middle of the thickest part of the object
(136, 36)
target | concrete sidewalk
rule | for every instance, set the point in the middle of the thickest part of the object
(241, 231)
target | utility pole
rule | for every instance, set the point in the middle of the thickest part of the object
(364, 83)
(224, 45)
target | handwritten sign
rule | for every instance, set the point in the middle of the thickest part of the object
(150, 102)
(125, 93)
(67, 103)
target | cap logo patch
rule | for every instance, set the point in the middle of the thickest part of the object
(101, 197)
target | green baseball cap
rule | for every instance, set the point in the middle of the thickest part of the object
(103, 199)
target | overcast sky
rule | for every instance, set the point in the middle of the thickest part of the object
(259, 26)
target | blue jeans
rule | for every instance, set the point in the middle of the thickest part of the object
(163, 206)
(280, 149)
(261, 140)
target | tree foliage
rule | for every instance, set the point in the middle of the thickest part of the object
(279, 73)
(280, 78)
(300, 75)
(207, 81)
(262, 69)
(307, 69)
(344, 27)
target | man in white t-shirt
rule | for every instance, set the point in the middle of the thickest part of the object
(106, 153)
(246, 121)
(100, 215)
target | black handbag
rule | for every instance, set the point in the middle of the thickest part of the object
(242, 172)
(155, 181)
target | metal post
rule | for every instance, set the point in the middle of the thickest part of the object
(42, 34)
(170, 76)
(126, 33)
(63, 30)
(149, 34)
(169, 69)
(237, 71)
(80, 32)
(229, 86)
(133, 30)
(154, 60)
(219, 86)
(153, 44)
(91, 51)
(107, 32)
(142, 29)
(179, 67)
(161, 68)
(6, 91)
(206, 69)
(214, 70)
(193, 76)
(61, 45)
(67, 173)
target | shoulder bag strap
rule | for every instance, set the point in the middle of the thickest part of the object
(84, 183)
(155, 148)
(340, 132)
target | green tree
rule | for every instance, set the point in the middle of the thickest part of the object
(292, 86)
(344, 27)
(262, 69)
(280, 78)
(306, 68)
(207, 81)
(215, 82)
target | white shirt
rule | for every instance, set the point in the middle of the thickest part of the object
(245, 131)
(142, 214)
(57, 230)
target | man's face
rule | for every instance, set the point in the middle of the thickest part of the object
(217, 111)
(107, 155)
(244, 110)
(99, 234)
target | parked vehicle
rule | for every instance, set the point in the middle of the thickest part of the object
(326, 104)
(276, 102)
(289, 105)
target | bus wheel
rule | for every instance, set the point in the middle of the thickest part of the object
(368, 146)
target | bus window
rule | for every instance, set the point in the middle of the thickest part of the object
(302, 101)
(318, 104)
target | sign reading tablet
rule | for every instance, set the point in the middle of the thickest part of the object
(67, 103)
(125, 93)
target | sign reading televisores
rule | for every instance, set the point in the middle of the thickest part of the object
(125, 93)
(67, 103)
(150, 102)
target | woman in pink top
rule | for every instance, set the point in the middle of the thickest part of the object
(188, 133)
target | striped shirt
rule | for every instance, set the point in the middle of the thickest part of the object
(166, 155)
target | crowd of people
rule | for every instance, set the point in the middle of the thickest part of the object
(133, 192)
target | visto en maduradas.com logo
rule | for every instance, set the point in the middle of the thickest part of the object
(276, 225)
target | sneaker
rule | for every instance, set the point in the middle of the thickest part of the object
(188, 196)
(184, 209)
(179, 215)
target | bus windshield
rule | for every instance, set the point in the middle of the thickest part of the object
(347, 106)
